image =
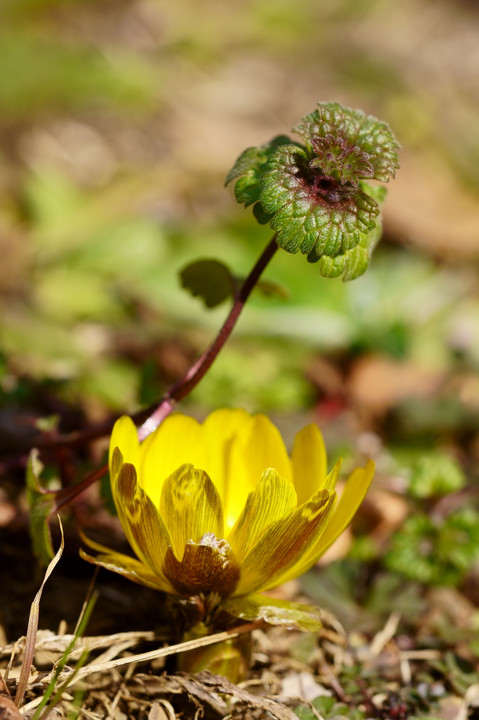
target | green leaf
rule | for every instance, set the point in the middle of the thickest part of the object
(328, 707)
(438, 551)
(354, 263)
(275, 612)
(248, 170)
(436, 474)
(210, 280)
(40, 505)
(310, 214)
(313, 195)
(349, 145)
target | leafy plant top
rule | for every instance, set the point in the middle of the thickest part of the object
(314, 194)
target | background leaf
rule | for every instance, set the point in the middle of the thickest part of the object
(210, 280)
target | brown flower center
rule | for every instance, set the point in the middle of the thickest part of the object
(207, 566)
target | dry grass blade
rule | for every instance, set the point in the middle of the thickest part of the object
(53, 694)
(209, 688)
(33, 625)
(67, 677)
(170, 650)
(50, 642)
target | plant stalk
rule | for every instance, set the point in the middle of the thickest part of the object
(197, 371)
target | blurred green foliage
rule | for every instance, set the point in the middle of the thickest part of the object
(329, 708)
(436, 474)
(115, 136)
(436, 551)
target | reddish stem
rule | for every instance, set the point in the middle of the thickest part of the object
(63, 497)
(152, 417)
(197, 371)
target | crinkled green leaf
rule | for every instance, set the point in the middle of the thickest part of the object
(210, 280)
(40, 505)
(311, 219)
(260, 214)
(248, 170)
(313, 194)
(275, 612)
(353, 263)
(349, 145)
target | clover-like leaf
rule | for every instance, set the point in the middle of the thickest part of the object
(438, 551)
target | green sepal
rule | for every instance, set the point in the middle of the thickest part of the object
(230, 658)
(210, 280)
(40, 505)
(275, 612)
(248, 170)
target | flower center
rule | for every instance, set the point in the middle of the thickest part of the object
(207, 566)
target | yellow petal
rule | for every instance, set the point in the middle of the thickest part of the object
(265, 448)
(191, 507)
(140, 519)
(177, 441)
(98, 547)
(181, 439)
(125, 437)
(309, 462)
(272, 500)
(223, 424)
(281, 547)
(129, 568)
(223, 429)
(257, 447)
(353, 494)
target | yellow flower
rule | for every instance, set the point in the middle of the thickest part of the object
(219, 510)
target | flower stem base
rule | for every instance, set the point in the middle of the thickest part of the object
(230, 658)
